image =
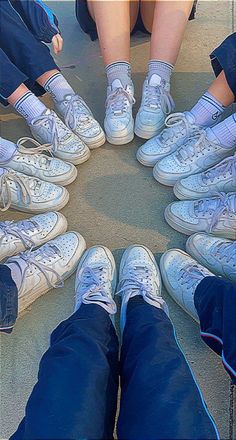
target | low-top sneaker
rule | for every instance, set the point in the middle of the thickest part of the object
(48, 128)
(79, 118)
(179, 128)
(181, 276)
(119, 123)
(196, 155)
(221, 177)
(31, 161)
(96, 279)
(30, 194)
(216, 215)
(47, 267)
(156, 104)
(139, 275)
(16, 237)
(217, 254)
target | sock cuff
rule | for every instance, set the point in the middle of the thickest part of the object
(22, 99)
(157, 62)
(51, 79)
(118, 65)
(213, 101)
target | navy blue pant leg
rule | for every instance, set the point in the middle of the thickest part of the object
(8, 300)
(160, 398)
(76, 393)
(215, 301)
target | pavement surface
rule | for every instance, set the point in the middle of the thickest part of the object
(115, 201)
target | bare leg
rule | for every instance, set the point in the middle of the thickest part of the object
(43, 78)
(221, 90)
(17, 94)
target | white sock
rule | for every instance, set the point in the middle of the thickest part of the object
(160, 68)
(224, 132)
(17, 271)
(1, 171)
(58, 87)
(7, 150)
(30, 107)
(207, 111)
(120, 70)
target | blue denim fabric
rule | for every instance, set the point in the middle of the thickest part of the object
(8, 300)
(224, 58)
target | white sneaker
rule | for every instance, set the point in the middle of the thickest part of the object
(179, 128)
(96, 279)
(27, 160)
(216, 215)
(29, 194)
(221, 177)
(49, 129)
(181, 276)
(79, 118)
(139, 275)
(156, 104)
(217, 254)
(196, 155)
(16, 237)
(48, 266)
(119, 123)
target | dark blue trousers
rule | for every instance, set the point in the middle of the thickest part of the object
(76, 393)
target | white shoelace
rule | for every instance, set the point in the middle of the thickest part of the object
(58, 130)
(191, 275)
(6, 179)
(117, 102)
(137, 281)
(77, 113)
(158, 97)
(19, 230)
(227, 252)
(227, 166)
(196, 146)
(32, 155)
(177, 126)
(92, 288)
(222, 204)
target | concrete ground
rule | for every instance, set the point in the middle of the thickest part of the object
(116, 201)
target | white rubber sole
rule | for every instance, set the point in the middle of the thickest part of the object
(98, 142)
(63, 202)
(145, 134)
(163, 180)
(121, 140)
(144, 162)
(186, 196)
(75, 160)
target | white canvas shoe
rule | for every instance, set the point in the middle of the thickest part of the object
(29, 194)
(156, 104)
(16, 237)
(119, 123)
(79, 118)
(49, 129)
(196, 155)
(31, 161)
(139, 275)
(96, 279)
(179, 128)
(48, 266)
(181, 276)
(217, 254)
(221, 177)
(216, 215)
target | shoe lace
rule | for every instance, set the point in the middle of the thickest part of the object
(77, 113)
(33, 154)
(227, 252)
(5, 188)
(191, 275)
(228, 165)
(195, 146)
(118, 101)
(177, 126)
(93, 288)
(59, 131)
(157, 97)
(19, 230)
(221, 204)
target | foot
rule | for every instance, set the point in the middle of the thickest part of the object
(29, 194)
(16, 237)
(79, 118)
(49, 129)
(217, 254)
(196, 155)
(119, 123)
(216, 215)
(47, 267)
(181, 276)
(179, 128)
(139, 275)
(31, 161)
(96, 279)
(220, 178)
(156, 104)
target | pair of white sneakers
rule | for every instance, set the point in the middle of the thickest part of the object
(184, 149)
(155, 105)
(181, 272)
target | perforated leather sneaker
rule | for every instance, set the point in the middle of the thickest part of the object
(49, 129)
(196, 155)
(48, 266)
(181, 275)
(29, 194)
(96, 279)
(31, 161)
(156, 104)
(221, 177)
(216, 215)
(119, 123)
(79, 118)
(16, 237)
(179, 128)
(217, 254)
(139, 275)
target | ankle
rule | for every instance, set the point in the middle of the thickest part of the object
(120, 70)
(160, 68)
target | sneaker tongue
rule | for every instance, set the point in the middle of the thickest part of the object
(154, 80)
(116, 84)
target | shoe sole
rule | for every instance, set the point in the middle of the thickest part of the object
(184, 196)
(32, 297)
(74, 161)
(144, 162)
(120, 141)
(96, 143)
(162, 180)
(145, 134)
(67, 181)
(57, 207)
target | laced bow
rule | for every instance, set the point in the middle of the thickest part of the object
(32, 150)
(177, 125)
(191, 275)
(19, 231)
(58, 130)
(227, 252)
(221, 203)
(77, 113)
(117, 100)
(197, 144)
(157, 96)
(6, 179)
